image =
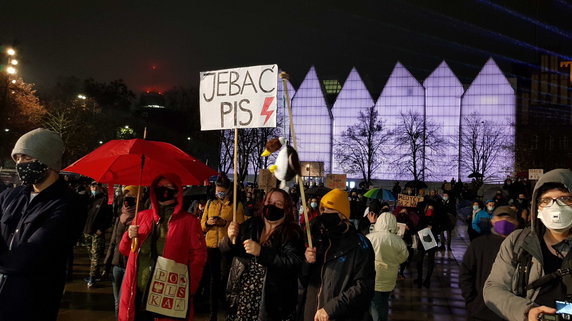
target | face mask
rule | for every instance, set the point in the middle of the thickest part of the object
(272, 213)
(163, 193)
(475, 207)
(220, 195)
(445, 198)
(330, 220)
(94, 193)
(129, 201)
(32, 172)
(314, 204)
(490, 209)
(556, 217)
(504, 227)
(429, 213)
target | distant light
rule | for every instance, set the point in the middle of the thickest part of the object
(10, 52)
(154, 106)
(13, 81)
(80, 96)
(11, 70)
(14, 62)
(127, 126)
(188, 138)
(100, 142)
(6, 129)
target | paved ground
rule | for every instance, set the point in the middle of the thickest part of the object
(442, 302)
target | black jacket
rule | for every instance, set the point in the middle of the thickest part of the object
(99, 214)
(475, 269)
(282, 260)
(35, 238)
(342, 279)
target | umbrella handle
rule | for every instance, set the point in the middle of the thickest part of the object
(134, 244)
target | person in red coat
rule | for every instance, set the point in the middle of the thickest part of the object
(177, 236)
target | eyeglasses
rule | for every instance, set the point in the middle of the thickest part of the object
(562, 200)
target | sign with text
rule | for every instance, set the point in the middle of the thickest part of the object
(312, 169)
(408, 200)
(239, 97)
(169, 289)
(336, 181)
(535, 174)
(266, 180)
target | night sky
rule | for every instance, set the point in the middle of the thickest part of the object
(107, 40)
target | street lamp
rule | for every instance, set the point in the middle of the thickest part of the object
(11, 70)
(10, 51)
(14, 62)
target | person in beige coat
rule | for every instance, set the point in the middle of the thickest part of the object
(390, 251)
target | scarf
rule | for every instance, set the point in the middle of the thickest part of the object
(127, 214)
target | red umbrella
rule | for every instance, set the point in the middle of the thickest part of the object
(138, 162)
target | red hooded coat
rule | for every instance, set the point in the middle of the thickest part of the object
(184, 244)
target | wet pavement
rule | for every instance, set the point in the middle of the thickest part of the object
(441, 302)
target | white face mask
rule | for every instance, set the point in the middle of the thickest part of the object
(556, 217)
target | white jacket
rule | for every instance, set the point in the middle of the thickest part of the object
(390, 251)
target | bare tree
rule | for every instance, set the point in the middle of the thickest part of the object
(419, 144)
(482, 143)
(359, 151)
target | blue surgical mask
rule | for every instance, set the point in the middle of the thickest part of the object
(94, 193)
(220, 195)
(314, 204)
(445, 198)
(475, 207)
(490, 209)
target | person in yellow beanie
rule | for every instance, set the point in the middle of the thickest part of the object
(339, 271)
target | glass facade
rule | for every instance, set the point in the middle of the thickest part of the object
(312, 122)
(441, 100)
(492, 99)
(402, 94)
(353, 98)
(443, 93)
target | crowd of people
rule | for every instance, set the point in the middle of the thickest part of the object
(257, 263)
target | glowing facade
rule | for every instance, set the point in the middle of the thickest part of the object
(440, 99)
(443, 93)
(312, 122)
(353, 98)
(402, 95)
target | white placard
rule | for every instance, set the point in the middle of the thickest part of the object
(427, 239)
(401, 229)
(239, 97)
(535, 174)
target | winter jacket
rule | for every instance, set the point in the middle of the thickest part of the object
(222, 209)
(343, 277)
(390, 251)
(482, 222)
(99, 214)
(184, 244)
(35, 239)
(501, 285)
(113, 256)
(475, 269)
(282, 259)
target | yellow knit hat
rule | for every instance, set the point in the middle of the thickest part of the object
(133, 189)
(337, 200)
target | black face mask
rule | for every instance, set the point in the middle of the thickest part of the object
(163, 193)
(330, 220)
(129, 201)
(32, 172)
(272, 213)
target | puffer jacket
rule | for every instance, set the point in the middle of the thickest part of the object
(184, 244)
(343, 277)
(390, 251)
(501, 285)
(222, 209)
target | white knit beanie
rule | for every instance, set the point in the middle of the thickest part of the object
(44, 145)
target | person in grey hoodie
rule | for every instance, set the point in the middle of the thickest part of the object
(516, 288)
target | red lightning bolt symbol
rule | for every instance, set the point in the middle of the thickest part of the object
(265, 111)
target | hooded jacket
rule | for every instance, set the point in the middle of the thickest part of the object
(222, 209)
(342, 279)
(390, 251)
(501, 285)
(184, 244)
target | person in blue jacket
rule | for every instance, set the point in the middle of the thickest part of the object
(482, 221)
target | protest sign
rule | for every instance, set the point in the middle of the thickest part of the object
(239, 97)
(266, 180)
(535, 174)
(408, 200)
(427, 239)
(336, 181)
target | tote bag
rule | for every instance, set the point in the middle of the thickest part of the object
(168, 292)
